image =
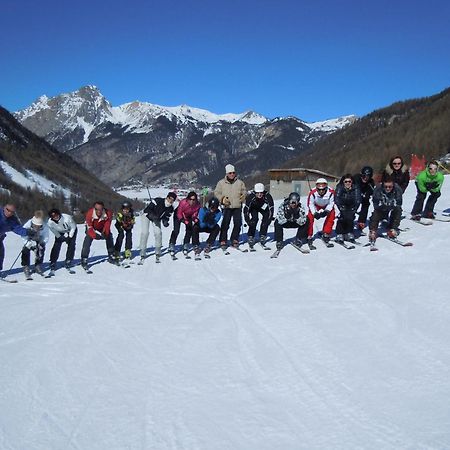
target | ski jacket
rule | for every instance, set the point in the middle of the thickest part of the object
(186, 212)
(429, 183)
(386, 201)
(286, 214)
(125, 221)
(11, 223)
(41, 236)
(400, 176)
(102, 223)
(157, 210)
(347, 199)
(365, 188)
(231, 194)
(254, 203)
(320, 202)
(207, 218)
(66, 224)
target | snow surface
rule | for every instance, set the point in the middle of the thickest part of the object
(336, 349)
(332, 124)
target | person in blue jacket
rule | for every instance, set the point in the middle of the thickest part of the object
(9, 222)
(208, 218)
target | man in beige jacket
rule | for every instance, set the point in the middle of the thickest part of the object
(231, 193)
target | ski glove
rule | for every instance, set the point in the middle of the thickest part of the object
(30, 245)
(165, 222)
(431, 185)
(226, 202)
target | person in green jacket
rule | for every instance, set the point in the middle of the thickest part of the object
(429, 180)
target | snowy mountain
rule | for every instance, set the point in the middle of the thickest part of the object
(139, 140)
(336, 349)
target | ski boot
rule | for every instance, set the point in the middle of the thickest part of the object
(127, 253)
(84, 263)
(416, 217)
(67, 264)
(27, 272)
(326, 238)
(185, 249)
(340, 238)
(235, 243)
(310, 244)
(392, 234)
(279, 245)
(251, 242)
(350, 237)
(372, 236)
(223, 245)
(207, 250)
(38, 270)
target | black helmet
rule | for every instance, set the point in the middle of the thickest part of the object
(294, 197)
(367, 170)
(126, 205)
(213, 203)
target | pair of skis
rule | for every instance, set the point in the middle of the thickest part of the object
(374, 248)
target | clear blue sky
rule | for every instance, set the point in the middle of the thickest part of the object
(312, 59)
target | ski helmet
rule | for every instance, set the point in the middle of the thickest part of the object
(213, 203)
(126, 205)
(259, 187)
(294, 197)
(321, 183)
(367, 171)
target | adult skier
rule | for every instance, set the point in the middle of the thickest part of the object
(35, 242)
(208, 219)
(98, 227)
(9, 222)
(186, 213)
(231, 193)
(320, 205)
(291, 214)
(387, 203)
(158, 212)
(258, 201)
(64, 228)
(430, 181)
(398, 171)
(124, 225)
(347, 198)
(366, 184)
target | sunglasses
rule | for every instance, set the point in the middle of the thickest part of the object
(389, 186)
(348, 181)
(231, 173)
(396, 163)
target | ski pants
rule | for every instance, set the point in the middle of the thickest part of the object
(420, 199)
(39, 251)
(362, 216)
(253, 222)
(145, 224)
(393, 216)
(54, 254)
(327, 225)
(345, 220)
(2, 251)
(128, 235)
(88, 241)
(213, 232)
(176, 229)
(302, 230)
(227, 215)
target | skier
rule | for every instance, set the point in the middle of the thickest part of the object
(387, 203)
(35, 242)
(158, 211)
(124, 224)
(366, 184)
(98, 226)
(64, 228)
(231, 193)
(208, 218)
(291, 214)
(397, 170)
(347, 199)
(429, 180)
(321, 204)
(187, 213)
(9, 222)
(258, 201)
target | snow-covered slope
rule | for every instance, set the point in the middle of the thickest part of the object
(332, 350)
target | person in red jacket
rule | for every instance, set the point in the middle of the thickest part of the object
(98, 226)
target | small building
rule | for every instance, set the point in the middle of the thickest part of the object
(285, 181)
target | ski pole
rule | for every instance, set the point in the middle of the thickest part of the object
(13, 264)
(442, 167)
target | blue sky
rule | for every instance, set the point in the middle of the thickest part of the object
(315, 59)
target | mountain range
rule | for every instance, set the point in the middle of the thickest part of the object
(140, 141)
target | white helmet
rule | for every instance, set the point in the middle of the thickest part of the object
(259, 187)
(321, 181)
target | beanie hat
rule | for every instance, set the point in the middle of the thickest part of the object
(259, 187)
(37, 219)
(229, 168)
(172, 195)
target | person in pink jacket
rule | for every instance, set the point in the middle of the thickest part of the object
(187, 213)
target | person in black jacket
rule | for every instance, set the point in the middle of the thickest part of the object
(387, 203)
(347, 199)
(397, 170)
(258, 201)
(158, 211)
(366, 185)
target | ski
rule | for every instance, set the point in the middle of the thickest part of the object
(300, 248)
(186, 254)
(439, 219)
(312, 246)
(422, 221)
(398, 241)
(197, 257)
(252, 249)
(354, 242)
(157, 259)
(172, 255)
(346, 246)
(242, 250)
(275, 253)
(327, 243)
(70, 270)
(8, 280)
(207, 255)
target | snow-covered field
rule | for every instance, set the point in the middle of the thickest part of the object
(333, 350)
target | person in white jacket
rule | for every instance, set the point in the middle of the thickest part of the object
(35, 241)
(64, 228)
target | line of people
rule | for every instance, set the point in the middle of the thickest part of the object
(230, 201)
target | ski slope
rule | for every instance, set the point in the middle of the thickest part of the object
(338, 349)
